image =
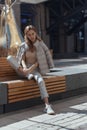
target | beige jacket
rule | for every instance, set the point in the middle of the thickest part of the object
(44, 57)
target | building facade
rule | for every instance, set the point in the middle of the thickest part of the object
(66, 37)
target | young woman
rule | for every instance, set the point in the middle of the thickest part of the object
(36, 61)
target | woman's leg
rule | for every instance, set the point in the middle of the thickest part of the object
(46, 100)
(41, 84)
(14, 64)
(43, 92)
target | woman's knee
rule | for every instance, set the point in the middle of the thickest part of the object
(30, 76)
(40, 80)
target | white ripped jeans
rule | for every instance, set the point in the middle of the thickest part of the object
(38, 78)
(36, 75)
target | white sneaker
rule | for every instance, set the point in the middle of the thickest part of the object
(49, 110)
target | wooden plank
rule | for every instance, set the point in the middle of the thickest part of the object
(34, 92)
(52, 78)
(19, 91)
(29, 82)
(22, 91)
(23, 95)
(22, 84)
(31, 96)
(6, 72)
(23, 98)
(33, 87)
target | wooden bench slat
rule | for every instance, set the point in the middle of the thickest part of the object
(23, 95)
(54, 78)
(34, 87)
(26, 82)
(23, 98)
(26, 90)
(32, 84)
(32, 96)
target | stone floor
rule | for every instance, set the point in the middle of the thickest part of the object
(71, 114)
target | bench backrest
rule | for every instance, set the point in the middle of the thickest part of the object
(6, 71)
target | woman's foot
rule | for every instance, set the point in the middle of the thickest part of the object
(48, 109)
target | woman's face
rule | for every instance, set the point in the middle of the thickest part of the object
(31, 34)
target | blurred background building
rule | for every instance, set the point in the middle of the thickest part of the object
(62, 24)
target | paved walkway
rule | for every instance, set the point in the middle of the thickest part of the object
(71, 113)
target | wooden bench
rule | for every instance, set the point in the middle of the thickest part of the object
(21, 89)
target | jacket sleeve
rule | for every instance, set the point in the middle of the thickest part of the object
(48, 55)
(21, 51)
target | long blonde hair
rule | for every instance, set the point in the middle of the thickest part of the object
(27, 40)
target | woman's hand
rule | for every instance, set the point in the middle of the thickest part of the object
(26, 71)
(20, 69)
(30, 69)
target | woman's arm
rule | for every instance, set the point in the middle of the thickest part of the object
(26, 70)
(23, 64)
(31, 69)
(48, 55)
